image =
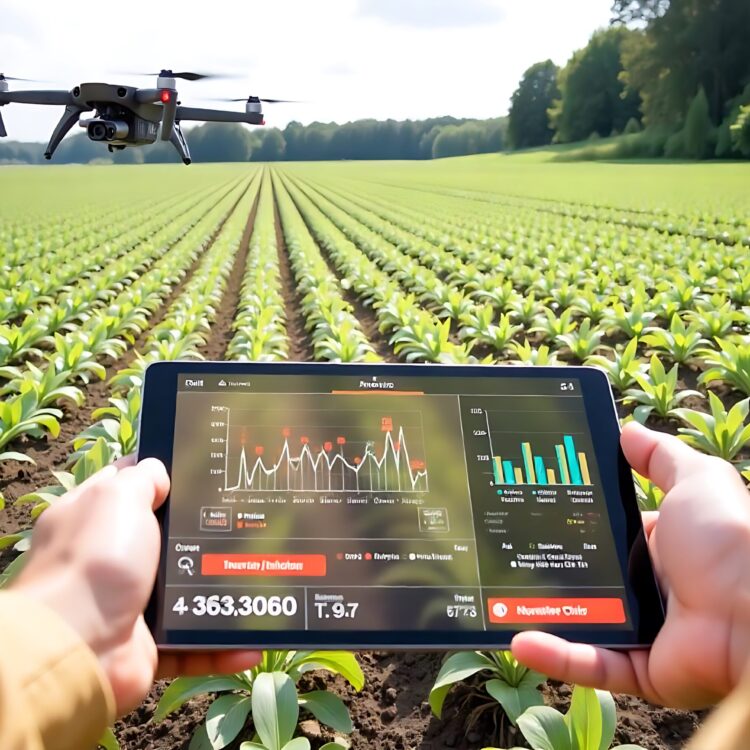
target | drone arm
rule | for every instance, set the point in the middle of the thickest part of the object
(69, 118)
(36, 97)
(3, 131)
(177, 139)
(218, 115)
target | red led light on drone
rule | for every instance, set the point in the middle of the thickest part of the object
(165, 95)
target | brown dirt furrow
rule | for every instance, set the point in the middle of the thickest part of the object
(300, 346)
(221, 329)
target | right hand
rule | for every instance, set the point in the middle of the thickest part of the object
(700, 545)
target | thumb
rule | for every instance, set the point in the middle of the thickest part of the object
(662, 458)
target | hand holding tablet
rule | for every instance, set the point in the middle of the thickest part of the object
(412, 506)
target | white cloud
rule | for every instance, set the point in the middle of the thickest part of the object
(342, 64)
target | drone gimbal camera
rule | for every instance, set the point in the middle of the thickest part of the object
(128, 116)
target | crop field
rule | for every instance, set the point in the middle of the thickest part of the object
(640, 269)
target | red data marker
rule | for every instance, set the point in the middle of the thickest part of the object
(386, 424)
(397, 446)
(304, 440)
(417, 465)
(327, 446)
(286, 432)
(258, 450)
(340, 441)
(357, 459)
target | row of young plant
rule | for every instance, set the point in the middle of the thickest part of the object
(50, 278)
(32, 281)
(93, 280)
(33, 393)
(334, 330)
(259, 325)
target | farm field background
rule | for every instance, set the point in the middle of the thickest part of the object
(643, 269)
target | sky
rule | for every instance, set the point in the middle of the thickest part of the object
(343, 59)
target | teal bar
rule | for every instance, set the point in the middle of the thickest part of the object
(570, 452)
(508, 470)
(498, 480)
(540, 469)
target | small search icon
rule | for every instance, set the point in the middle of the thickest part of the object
(186, 565)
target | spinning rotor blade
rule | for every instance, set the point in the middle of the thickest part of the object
(185, 75)
(13, 78)
(260, 99)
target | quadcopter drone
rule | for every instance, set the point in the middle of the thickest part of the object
(128, 116)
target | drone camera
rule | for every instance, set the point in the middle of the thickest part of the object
(107, 130)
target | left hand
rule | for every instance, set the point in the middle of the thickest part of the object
(94, 560)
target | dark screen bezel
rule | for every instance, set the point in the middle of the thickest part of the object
(156, 439)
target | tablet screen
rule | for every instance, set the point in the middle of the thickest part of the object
(330, 503)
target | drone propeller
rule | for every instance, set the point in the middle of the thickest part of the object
(259, 99)
(12, 78)
(185, 75)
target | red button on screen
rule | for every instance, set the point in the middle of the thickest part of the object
(263, 565)
(564, 610)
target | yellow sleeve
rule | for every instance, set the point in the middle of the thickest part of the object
(53, 692)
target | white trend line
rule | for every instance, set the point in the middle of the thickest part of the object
(295, 464)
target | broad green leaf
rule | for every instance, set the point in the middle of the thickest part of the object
(16, 456)
(298, 743)
(591, 719)
(184, 688)
(544, 729)
(199, 740)
(225, 718)
(275, 709)
(456, 668)
(108, 741)
(514, 700)
(339, 662)
(328, 709)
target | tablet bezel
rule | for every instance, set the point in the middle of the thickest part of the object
(156, 439)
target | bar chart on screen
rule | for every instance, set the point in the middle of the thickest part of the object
(536, 458)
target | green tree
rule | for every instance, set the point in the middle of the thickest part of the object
(528, 122)
(592, 95)
(693, 43)
(219, 141)
(271, 148)
(627, 11)
(698, 128)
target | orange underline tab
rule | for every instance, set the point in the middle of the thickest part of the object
(377, 393)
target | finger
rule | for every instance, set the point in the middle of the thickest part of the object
(195, 664)
(103, 474)
(583, 664)
(126, 461)
(147, 482)
(662, 458)
(649, 518)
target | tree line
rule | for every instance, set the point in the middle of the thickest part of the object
(220, 142)
(673, 76)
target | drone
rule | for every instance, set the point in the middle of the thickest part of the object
(129, 116)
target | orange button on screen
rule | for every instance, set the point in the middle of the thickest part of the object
(263, 565)
(556, 610)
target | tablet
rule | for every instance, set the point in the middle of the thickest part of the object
(393, 506)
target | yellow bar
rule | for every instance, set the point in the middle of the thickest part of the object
(519, 475)
(551, 476)
(584, 468)
(529, 462)
(499, 478)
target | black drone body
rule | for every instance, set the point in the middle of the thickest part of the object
(128, 116)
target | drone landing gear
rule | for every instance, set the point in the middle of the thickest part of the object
(69, 118)
(177, 139)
